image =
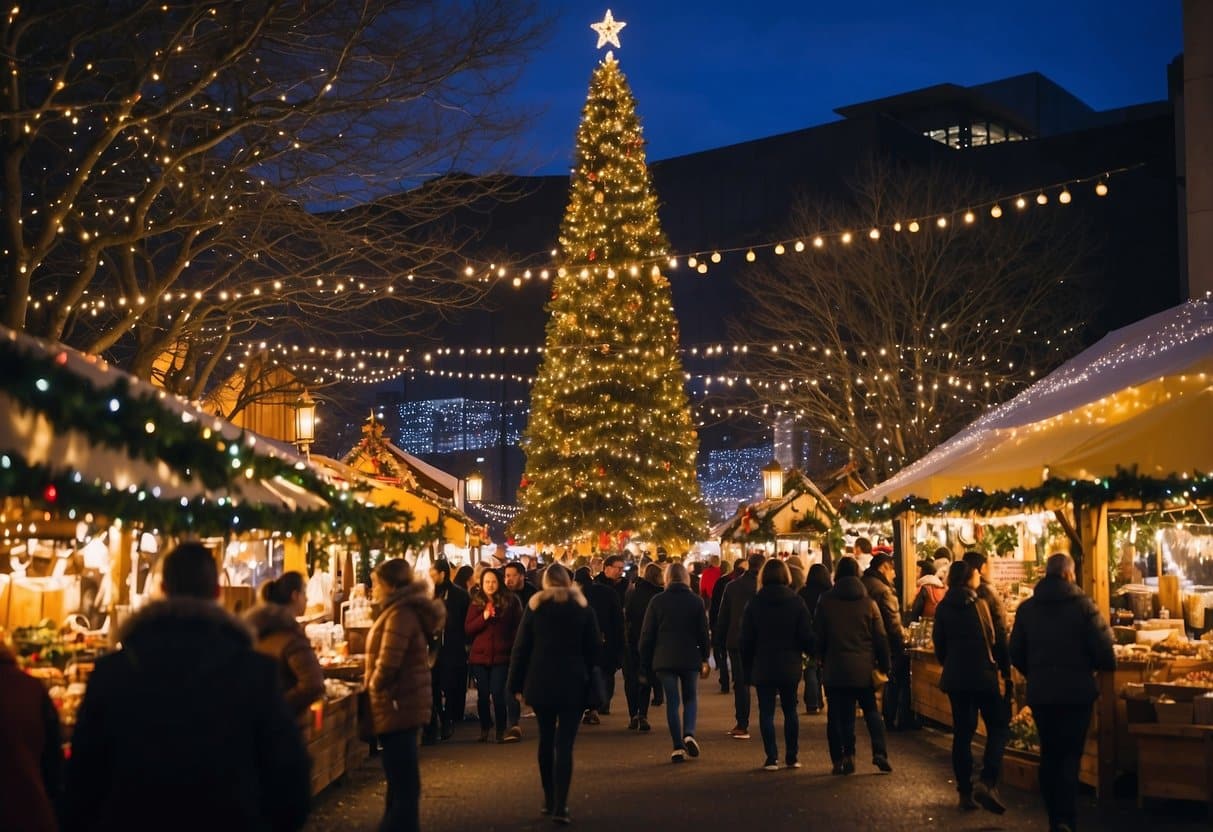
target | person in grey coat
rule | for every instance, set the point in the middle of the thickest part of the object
(1058, 642)
(851, 642)
(674, 645)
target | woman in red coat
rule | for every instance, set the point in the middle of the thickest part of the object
(492, 622)
(31, 762)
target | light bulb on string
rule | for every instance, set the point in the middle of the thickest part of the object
(1021, 203)
(1064, 197)
(942, 222)
(1101, 189)
(1042, 198)
(996, 211)
(913, 226)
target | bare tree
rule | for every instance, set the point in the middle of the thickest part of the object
(182, 172)
(886, 343)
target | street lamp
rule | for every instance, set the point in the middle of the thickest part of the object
(475, 486)
(772, 480)
(305, 423)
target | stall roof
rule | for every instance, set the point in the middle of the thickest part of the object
(1139, 398)
(33, 436)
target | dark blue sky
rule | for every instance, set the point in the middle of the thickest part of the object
(712, 73)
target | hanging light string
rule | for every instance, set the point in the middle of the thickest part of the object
(699, 262)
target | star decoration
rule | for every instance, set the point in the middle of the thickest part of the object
(608, 31)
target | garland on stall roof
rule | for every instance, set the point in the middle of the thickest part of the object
(69, 494)
(139, 425)
(1125, 484)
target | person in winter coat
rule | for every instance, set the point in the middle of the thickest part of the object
(449, 675)
(775, 637)
(517, 580)
(674, 647)
(796, 569)
(1058, 642)
(719, 653)
(550, 669)
(492, 622)
(817, 583)
(974, 660)
(728, 636)
(931, 591)
(708, 578)
(604, 601)
(878, 580)
(187, 721)
(399, 684)
(850, 639)
(987, 592)
(278, 635)
(31, 763)
(637, 685)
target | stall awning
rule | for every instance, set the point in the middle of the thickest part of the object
(1140, 398)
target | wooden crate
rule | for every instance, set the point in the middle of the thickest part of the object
(1175, 762)
(1022, 771)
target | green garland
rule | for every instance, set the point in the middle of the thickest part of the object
(1125, 484)
(138, 425)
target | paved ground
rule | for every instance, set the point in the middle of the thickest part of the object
(624, 781)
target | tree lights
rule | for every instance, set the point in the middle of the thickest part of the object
(610, 446)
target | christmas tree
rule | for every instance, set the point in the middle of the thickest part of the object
(610, 445)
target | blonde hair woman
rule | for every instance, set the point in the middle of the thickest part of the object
(674, 645)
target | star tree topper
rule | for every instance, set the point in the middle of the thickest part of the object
(608, 31)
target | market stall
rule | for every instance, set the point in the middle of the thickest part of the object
(793, 518)
(1114, 440)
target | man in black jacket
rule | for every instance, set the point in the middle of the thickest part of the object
(636, 605)
(728, 636)
(186, 724)
(604, 601)
(878, 580)
(718, 651)
(611, 576)
(1058, 642)
(449, 675)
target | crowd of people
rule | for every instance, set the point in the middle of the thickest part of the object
(198, 704)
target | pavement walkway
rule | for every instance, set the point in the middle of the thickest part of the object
(624, 782)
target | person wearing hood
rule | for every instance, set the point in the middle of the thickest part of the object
(278, 635)
(775, 637)
(398, 682)
(1059, 642)
(449, 675)
(186, 721)
(550, 670)
(674, 647)
(974, 658)
(816, 584)
(31, 765)
(850, 639)
(931, 591)
(639, 596)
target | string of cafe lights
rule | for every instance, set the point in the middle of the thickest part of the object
(699, 262)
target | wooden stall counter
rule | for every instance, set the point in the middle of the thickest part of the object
(1174, 762)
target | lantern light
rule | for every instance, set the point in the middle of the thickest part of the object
(772, 480)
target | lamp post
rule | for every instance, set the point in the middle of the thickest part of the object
(772, 480)
(474, 486)
(305, 423)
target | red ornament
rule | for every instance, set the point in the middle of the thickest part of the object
(666, 465)
(604, 540)
(524, 482)
(593, 255)
(61, 359)
(50, 494)
(509, 541)
(600, 471)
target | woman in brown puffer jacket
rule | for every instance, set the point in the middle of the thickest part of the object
(398, 682)
(278, 635)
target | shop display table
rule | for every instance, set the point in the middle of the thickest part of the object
(332, 740)
(1174, 762)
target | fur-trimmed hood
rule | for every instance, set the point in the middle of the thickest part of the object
(268, 618)
(558, 595)
(186, 638)
(431, 612)
(930, 580)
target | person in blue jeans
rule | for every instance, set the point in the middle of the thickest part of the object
(775, 637)
(674, 646)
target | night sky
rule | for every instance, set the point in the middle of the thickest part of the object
(711, 73)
